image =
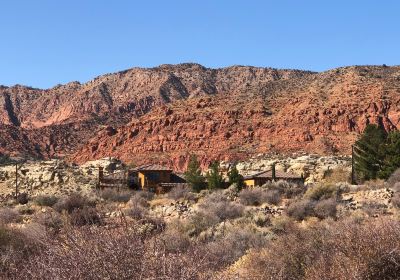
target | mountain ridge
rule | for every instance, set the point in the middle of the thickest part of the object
(299, 109)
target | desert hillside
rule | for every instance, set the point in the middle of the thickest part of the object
(164, 113)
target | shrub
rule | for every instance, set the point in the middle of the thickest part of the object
(25, 210)
(101, 253)
(396, 200)
(375, 184)
(22, 198)
(181, 192)
(8, 215)
(175, 240)
(321, 192)
(85, 216)
(396, 187)
(257, 196)
(15, 250)
(136, 211)
(114, 195)
(285, 189)
(272, 197)
(339, 250)
(228, 249)
(261, 220)
(72, 202)
(52, 221)
(250, 196)
(150, 225)
(138, 199)
(232, 192)
(145, 195)
(337, 175)
(218, 205)
(326, 208)
(282, 225)
(374, 208)
(301, 209)
(46, 200)
(136, 207)
(394, 178)
(199, 222)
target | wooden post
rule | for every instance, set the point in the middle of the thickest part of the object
(16, 180)
(273, 172)
(101, 175)
(353, 181)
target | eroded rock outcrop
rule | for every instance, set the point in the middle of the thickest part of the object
(163, 114)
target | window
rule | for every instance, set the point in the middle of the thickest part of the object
(153, 176)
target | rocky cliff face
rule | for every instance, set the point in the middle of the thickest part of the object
(56, 121)
(162, 114)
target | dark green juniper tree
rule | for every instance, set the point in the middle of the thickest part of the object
(214, 176)
(368, 154)
(193, 174)
(376, 153)
(391, 159)
(235, 177)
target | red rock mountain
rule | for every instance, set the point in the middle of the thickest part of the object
(162, 114)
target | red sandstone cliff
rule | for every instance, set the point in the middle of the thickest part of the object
(162, 114)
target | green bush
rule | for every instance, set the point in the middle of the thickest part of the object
(214, 177)
(193, 174)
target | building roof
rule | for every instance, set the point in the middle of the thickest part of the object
(278, 175)
(151, 167)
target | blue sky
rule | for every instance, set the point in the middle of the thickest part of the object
(46, 42)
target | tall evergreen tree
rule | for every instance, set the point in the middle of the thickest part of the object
(214, 177)
(368, 152)
(193, 174)
(235, 177)
(391, 151)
